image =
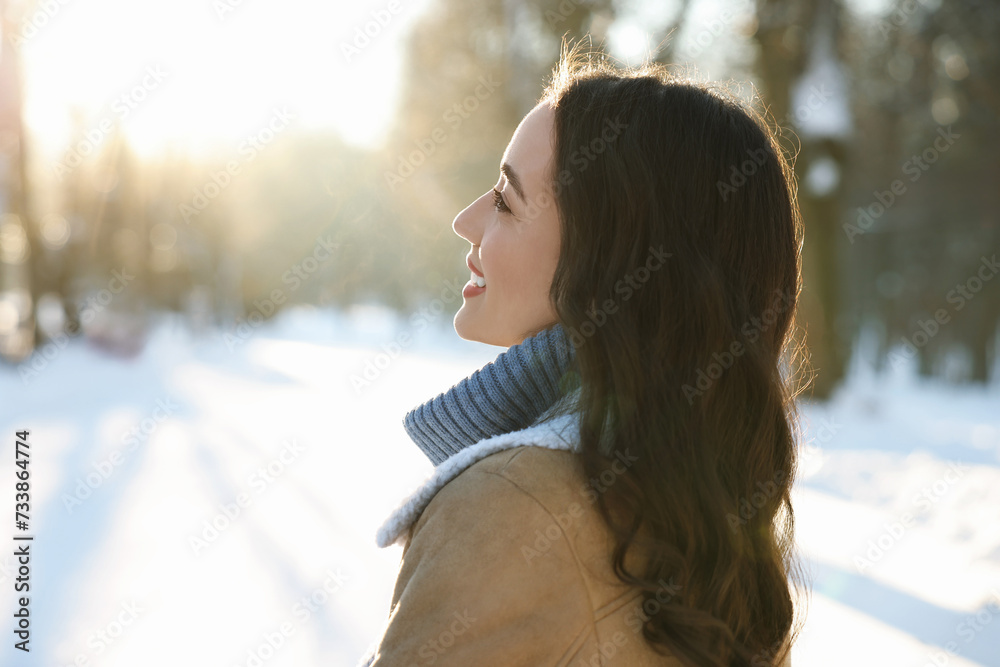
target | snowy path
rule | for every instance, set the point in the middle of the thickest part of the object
(297, 469)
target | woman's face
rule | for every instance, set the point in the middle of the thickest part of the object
(514, 248)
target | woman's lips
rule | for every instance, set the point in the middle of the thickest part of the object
(472, 289)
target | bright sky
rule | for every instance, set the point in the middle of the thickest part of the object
(194, 72)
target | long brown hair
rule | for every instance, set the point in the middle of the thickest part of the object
(677, 282)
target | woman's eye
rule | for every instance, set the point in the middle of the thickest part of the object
(498, 202)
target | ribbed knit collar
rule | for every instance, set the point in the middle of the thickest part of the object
(507, 394)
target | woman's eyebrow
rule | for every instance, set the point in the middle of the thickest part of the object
(508, 171)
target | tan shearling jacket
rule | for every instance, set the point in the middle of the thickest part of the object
(506, 563)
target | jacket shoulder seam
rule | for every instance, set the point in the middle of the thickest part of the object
(520, 449)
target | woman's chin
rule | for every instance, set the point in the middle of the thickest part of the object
(463, 327)
(468, 327)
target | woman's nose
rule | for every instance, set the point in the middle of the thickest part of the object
(468, 224)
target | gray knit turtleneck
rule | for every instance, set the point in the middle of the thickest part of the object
(507, 394)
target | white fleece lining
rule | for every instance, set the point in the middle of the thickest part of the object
(551, 435)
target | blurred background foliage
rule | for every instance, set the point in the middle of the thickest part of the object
(859, 89)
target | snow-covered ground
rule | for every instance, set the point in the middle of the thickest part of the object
(214, 503)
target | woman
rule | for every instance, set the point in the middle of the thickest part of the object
(614, 489)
